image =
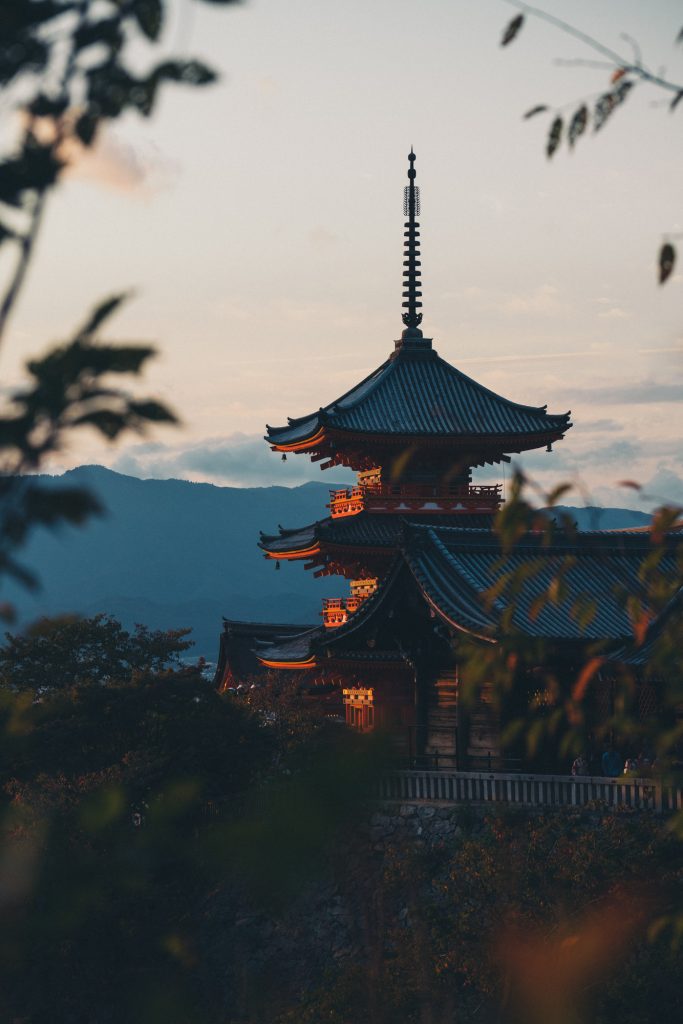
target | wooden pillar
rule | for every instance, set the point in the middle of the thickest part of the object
(422, 678)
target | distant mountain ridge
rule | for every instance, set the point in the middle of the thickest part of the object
(171, 553)
(591, 517)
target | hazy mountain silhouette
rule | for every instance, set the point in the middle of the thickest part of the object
(591, 517)
(171, 553)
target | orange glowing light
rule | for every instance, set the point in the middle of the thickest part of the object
(287, 556)
(309, 663)
(299, 446)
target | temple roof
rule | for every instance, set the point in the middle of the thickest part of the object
(455, 569)
(237, 659)
(296, 649)
(415, 393)
(359, 531)
(642, 656)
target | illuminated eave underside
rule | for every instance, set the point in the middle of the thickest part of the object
(294, 555)
(321, 554)
(325, 443)
(308, 663)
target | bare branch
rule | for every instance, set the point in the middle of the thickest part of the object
(26, 244)
(617, 59)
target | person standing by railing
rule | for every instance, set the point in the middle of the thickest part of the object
(580, 766)
(611, 763)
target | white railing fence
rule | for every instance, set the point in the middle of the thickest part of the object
(531, 790)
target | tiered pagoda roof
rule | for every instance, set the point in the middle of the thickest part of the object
(417, 395)
(237, 659)
(364, 533)
(454, 570)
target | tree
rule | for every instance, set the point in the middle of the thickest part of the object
(55, 654)
(115, 802)
(64, 74)
(624, 70)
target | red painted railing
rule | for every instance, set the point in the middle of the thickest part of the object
(336, 610)
(416, 499)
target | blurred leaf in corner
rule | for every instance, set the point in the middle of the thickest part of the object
(554, 136)
(577, 125)
(667, 259)
(512, 29)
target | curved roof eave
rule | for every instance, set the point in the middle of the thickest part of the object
(411, 396)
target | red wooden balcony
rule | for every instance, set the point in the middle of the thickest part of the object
(415, 499)
(336, 610)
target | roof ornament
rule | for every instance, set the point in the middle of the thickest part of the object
(411, 275)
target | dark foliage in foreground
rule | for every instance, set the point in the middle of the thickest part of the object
(56, 654)
(540, 921)
(128, 811)
(107, 790)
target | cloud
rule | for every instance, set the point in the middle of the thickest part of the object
(647, 392)
(113, 163)
(604, 426)
(543, 301)
(562, 460)
(321, 237)
(236, 461)
(663, 487)
(533, 357)
(615, 313)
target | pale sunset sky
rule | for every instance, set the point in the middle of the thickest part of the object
(259, 223)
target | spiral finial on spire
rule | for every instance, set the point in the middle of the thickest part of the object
(411, 275)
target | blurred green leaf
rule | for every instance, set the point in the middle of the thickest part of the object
(149, 16)
(100, 314)
(512, 29)
(666, 262)
(554, 136)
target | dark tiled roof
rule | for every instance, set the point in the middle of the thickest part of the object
(455, 568)
(306, 645)
(420, 394)
(646, 654)
(236, 658)
(289, 540)
(296, 648)
(364, 530)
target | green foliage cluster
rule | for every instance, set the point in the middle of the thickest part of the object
(64, 69)
(624, 70)
(110, 794)
(70, 651)
(522, 920)
(136, 818)
(554, 690)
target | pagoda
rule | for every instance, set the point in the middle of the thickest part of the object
(413, 430)
(414, 538)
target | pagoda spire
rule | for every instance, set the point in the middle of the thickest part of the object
(411, 274)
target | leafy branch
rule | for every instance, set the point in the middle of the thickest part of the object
(64, 77)
(62, 64)
(625, 73)
(70, 388)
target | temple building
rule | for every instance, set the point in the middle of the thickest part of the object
(414, 537)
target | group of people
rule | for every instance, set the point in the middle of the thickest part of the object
(612, 764)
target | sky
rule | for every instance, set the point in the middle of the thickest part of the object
(259, 224)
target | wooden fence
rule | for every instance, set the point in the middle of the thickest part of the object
(531, 790)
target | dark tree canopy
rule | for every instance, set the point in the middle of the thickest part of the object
(55, 654)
